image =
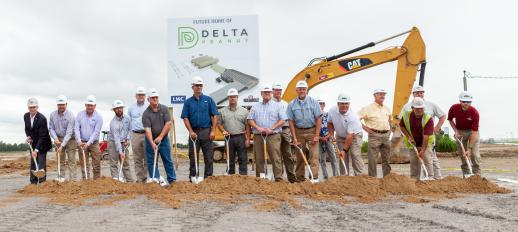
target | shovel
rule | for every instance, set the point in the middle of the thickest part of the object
(38, 173)
(155, 160)
(120, 177)
(59, 179)
(175, 148)
(265, 175)
(424, 172)
(227, 150)
(312, 180)
(196, 179)
(346, 172)
(468, 160)
(84, 163)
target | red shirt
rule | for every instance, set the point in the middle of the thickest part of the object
(464, 120)
(416, 128)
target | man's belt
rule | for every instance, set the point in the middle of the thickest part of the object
(380, 131)
(306, 128)
(139, 131)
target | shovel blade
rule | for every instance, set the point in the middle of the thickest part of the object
(39, 173)
(196, 180)
(314, 181)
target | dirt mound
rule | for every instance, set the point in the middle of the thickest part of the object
(21, 164)
(265, 194)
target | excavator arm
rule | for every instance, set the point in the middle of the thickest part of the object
(409, 57)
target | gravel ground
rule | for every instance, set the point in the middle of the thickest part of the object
(469, 213)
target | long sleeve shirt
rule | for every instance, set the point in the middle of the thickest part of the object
(119, 131)
(62, 126)
(135, 112)
(88, 128)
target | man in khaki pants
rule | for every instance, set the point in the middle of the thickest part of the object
(288, 158)
(61, 128)
(87, 127)
(349, 133)
(135, 112)
(119, 139)
(417, 126)
(266, 119)
(376, 118)
(304, 116)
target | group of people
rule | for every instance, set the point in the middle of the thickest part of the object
(292, 135)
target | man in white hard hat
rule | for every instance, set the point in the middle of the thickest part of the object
(326, 147)
(119, 138)
(288, 158)
(304, 117)
(266, 119)
(349, 134)
(61, 127)
(200, 116)
(433, 110)
(87, 127)
(157, 124)
(417, 126)
(135, 112)
(38, 137)
(376, 122)
(232, 123)
(464, 119)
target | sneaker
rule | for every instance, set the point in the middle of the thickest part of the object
(163, 182)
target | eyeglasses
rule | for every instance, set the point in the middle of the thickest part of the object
(465, 102)
(199, 86)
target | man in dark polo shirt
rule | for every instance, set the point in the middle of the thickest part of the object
(466, 128)
(199, 115)
(157, 123)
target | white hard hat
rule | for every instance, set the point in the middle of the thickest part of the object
(141, 90)
(417, 88)
(232, 92)
(418, 103)
(343, 98)
(197, 81)
(90, 100)
(277, 85)
(61, 99)
(465, 96)
(32, 102)
(320, 100)
(301, 84)
(153, 93)
(379, 91)
(266, 88)
(117, 104)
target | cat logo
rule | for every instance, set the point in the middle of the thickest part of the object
(352, 64)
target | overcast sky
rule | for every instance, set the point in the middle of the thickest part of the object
(108, 48)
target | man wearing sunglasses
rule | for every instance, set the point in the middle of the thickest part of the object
(466, 129)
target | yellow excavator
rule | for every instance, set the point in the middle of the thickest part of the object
(410, 57)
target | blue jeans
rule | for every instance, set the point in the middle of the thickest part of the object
(164, 150)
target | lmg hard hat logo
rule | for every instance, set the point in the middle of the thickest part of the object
(187, 37)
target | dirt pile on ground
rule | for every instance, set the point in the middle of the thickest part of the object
(265, 195)
(21, 164)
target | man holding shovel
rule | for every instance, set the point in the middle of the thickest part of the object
(304, 117)
(433, 110)
(233, 124)
(349, 133)
(266, 119)
(326, 147)
(200, 117)
(466, 130)
(61, 126)
(157, 123)
(87, 126)
(38, 138)
(417, 126)
(119, 137)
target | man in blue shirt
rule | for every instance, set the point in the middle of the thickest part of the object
(304, 116)
(87, 128)
(199, 115)
(326, 144)
(135, 112)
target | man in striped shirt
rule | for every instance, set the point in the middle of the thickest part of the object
(119, 137)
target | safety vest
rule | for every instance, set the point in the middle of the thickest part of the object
(406, 119)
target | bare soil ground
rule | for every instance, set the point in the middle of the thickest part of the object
(240, 203)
